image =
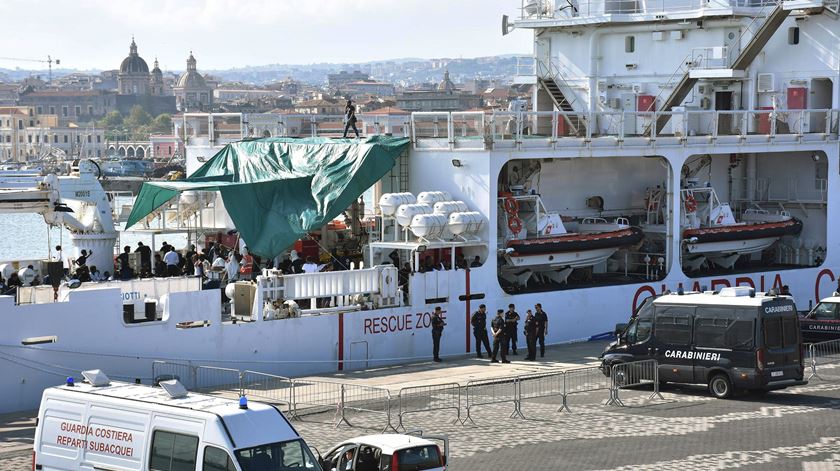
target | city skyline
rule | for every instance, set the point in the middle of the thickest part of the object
(169, 30)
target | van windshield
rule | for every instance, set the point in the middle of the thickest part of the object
(292, 455)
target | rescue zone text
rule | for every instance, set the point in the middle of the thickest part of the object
(692, 355)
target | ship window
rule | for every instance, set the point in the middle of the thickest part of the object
(793, 35)
(630, 44)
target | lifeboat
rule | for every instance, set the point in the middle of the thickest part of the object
(572, 250)
(538, 239)
(710, 231)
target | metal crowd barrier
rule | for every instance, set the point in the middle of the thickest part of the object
(305, 396)
(364, 399)
(313, 397)
(166, 370)
(634, 373)
(210, 379)
(270, 388)
(540, 385)
(822, 354)
(584, 380)
(429, 398)
(492, 391)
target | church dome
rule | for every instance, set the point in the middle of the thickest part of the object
(191, 78)
(134, 64)
(446, 85)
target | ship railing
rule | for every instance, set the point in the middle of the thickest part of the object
(713, 57)
(650, 264)
(449, 129)
(549, 9)
(342, 285)
(688, 125)
(212, 129)
(526, 66)
(823, 354)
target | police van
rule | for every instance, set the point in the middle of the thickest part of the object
(100, 424)
(731, 339)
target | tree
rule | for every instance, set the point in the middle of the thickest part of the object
(112, 120)
(137, 117)
(162, 124)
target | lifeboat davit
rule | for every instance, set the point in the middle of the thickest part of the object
(572, 250)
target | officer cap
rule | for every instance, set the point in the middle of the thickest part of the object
(499, 311)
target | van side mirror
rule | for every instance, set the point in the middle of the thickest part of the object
(619, 329)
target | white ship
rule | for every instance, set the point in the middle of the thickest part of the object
(634, 102)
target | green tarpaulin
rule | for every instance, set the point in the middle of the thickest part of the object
(278, 189)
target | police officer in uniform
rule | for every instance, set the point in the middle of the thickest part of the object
(512, 325)
(479, 324)
(437, 331)
(499, 338)
(541, 319)
(531, 335)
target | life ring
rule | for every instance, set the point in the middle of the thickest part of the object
(719, 219)
(515, 225)
(511, 206)
(690, 203)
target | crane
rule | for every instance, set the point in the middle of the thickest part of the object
(48, 61)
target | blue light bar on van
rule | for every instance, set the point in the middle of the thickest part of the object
(243, 402)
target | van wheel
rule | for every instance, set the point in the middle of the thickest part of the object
(720, 386)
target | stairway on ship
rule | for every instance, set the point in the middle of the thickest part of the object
(576, 125)
(765, 31)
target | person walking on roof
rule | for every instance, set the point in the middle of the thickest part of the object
(479, 324)
(437, 331)
(350, 118)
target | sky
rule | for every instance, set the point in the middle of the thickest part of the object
(95, 34)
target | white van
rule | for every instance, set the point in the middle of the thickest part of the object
(103, 425)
